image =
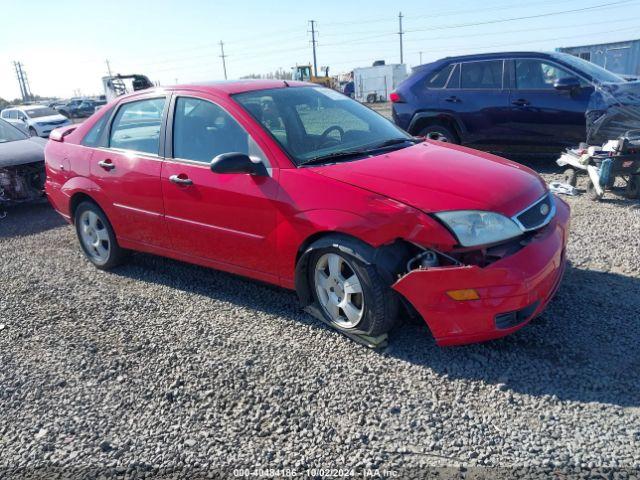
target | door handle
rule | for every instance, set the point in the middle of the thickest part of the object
(521, 102)
(180, 180)
(107, 164)
(452, 99)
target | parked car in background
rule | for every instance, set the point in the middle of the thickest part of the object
(21, 166)
(508, 102)
(77, 108)
(301, 186)
(36, 120)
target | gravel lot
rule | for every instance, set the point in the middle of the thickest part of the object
(160, 366)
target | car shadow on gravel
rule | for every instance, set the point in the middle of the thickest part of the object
(29, 219)
(583, 348)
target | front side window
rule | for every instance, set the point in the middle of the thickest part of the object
(136, 126)
(534, 74)
(310, 123)
(9, 133)
(481, 75)
(203, 130)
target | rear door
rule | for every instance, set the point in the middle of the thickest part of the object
(127, 170)
(541, 116)
(476, 95)
(227, 218)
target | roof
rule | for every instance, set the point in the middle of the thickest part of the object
(29, 107)
(489, 56)
(231, 87)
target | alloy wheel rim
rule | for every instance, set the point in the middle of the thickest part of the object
(94, 236)
(339, 290)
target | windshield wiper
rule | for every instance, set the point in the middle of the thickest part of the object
(367, 149)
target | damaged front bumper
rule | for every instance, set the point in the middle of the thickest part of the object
(512, 290)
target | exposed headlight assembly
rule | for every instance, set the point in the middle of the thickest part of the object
(476, 227)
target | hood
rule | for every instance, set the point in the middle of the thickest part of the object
(20, 152)
(435, 177)
(57, 118)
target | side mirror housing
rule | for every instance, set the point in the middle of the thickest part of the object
(236, 162)
(567, 84)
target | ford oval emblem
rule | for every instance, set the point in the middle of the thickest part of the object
(544, 209)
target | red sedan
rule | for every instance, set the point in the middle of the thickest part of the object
(302, 187)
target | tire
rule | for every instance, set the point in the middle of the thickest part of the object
(632, 192)
(33, 132)
(571, 176)
(439, 133)
(371, 98)
(373, 311)
(96, 236)
(592, 193)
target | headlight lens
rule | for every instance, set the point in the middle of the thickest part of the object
(475, 227)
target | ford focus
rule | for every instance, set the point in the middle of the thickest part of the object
(300, 186)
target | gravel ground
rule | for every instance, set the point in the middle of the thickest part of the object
(160, 366)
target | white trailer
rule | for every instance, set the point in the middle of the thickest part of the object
(374, 84)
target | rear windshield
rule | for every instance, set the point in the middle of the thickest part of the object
(40, 112)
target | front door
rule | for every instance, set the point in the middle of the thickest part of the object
(228, 218)
(541, 116)
(127, 170)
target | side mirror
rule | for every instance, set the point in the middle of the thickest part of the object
(235, 162)
(567, 84)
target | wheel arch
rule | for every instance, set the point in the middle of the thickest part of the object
(387, 258)
(425, 119)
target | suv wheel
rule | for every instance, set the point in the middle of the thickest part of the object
(439, 133)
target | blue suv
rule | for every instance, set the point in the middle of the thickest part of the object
(516, 102)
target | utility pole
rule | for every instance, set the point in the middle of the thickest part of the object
(313, 43)
(400, 33)
(223, 56)
(108, 67)
(25, 91)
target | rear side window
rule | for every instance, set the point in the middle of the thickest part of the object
(136, 126)
(439, 79)
(94, 135)
(481, 75)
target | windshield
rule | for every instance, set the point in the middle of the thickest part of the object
(596, 72)
(313, 123)
(40, 112)
(9, 133)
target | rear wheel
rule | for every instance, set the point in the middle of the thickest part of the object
(439, 133)
(351, 294)
(96, 236)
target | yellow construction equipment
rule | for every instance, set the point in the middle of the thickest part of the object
(303, 73)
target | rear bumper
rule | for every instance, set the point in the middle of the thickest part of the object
(512, 291)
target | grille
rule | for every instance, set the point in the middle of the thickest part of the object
(538, 214)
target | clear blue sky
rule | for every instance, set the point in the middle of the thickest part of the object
(63, 44)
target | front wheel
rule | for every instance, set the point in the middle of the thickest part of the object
(632, 191)
(571, 176)
(351, 294)
(97, 239)
(33, 132)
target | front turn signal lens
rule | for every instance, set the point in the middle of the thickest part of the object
(465, 294)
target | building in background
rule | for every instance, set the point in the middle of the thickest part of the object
(617, 57)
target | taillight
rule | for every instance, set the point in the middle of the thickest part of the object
(395, 97)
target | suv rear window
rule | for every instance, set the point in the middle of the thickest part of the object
(482, 75)
(439, 79)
